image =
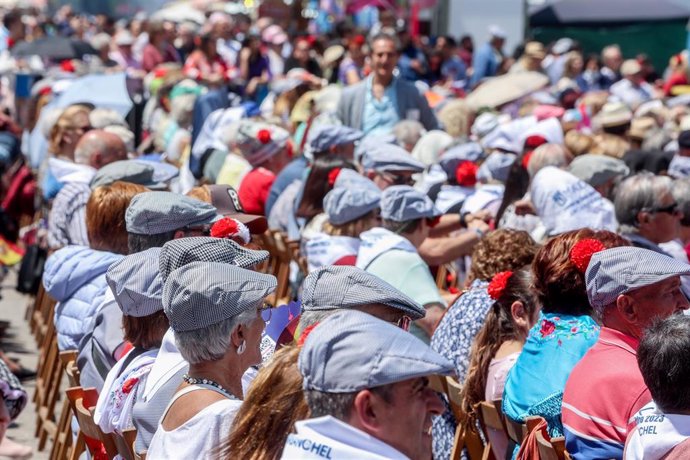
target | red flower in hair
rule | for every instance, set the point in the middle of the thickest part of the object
(466, 174)
(264, 136)
(305, 334)
(67, 66)
(224, 228)
(582, 252)
(526, 157)
(534, 141)
(333, 176)
(498, 284)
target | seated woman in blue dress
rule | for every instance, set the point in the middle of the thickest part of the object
(564, 331)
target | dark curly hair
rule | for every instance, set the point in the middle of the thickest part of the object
(502, 250)
(559, 285)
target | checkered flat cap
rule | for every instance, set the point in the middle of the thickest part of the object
(152, 213)
(390, 158)
(351, 351)
(335, 287)
(201, 294)
(344, 205)
(136, 283)
(322, 137)
(180, 252)
(402, 203)
(617, 271)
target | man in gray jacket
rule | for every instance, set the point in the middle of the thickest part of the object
(377, 103)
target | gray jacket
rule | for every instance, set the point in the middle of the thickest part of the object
(410, 102)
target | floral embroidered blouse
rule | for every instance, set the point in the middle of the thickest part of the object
(535, 383)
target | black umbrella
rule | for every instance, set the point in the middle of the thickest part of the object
(56, 48)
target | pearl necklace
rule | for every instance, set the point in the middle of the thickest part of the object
(209, 382)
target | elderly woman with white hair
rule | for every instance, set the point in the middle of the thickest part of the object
(647, 211)
(215, 311)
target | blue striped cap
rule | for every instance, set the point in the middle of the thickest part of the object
(136, 283)
(402, 203)
(617, 271)
(200, 294)
(351, 351)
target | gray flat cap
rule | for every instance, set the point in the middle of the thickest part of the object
(496, 167)
(597, 169)
(136, 283)
(344, 205)
(390, 158)
(352, 351)
(153, 213)
(135, 172)
(469, 151)
(182, 251)
(617, 271)
(401, 203)
(200, 294)
(335, 287)
(352, 179)
(322, 137)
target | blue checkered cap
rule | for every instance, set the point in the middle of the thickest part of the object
(617, 271)
(335, 287)
(152, 213)
(468, 151)
(135, 172)
(136, 283)
(201, 294)
(352, 351)
(322, 137)
(344, 205)
(402, 203)
(390, 158)
(182, 251)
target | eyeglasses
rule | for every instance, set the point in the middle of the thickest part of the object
(266, 312)
(669, 209)
(85, 129)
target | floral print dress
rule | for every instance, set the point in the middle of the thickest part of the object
(536, 382)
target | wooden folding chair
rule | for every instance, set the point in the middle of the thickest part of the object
(63, 437)
(281, 257)
(83, 402)
(47, 392)
(490, 417)
(125, 443)
(517, 432)
(553, 449)
(33, 305)
(466, 437)
(43, 319)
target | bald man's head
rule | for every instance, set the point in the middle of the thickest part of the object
(98, 148)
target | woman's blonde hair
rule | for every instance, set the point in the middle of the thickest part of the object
(578, 143)
(274, 402)
(65, 121)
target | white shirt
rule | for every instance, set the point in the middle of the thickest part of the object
(630, 94)
(329, 438)
(199, 436)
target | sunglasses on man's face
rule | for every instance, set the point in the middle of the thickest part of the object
(669, 209)
(395, 179)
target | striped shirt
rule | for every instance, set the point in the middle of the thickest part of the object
(602, 396)
(67, 219)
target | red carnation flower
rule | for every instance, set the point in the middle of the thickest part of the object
(305, 334)
(264, 136)
(498, 284)
(225, 228)
(333, 176)
(526, 157)
(466, 174)
(582, 253)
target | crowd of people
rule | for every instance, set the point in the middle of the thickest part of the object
(535, 249)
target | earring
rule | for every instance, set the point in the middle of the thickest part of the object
(241, 348)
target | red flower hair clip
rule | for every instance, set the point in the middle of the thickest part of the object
(264, 136)
(582, 252)
(526, 157)
(305, 334)
(333, 176)
(231, 229)
(466, 174)
(498, 284)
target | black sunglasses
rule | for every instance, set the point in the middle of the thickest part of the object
(669, 209)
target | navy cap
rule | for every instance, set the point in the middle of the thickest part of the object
(402, 203)
(153, 213)
(617, 271)
(334, 287)
(351, 351)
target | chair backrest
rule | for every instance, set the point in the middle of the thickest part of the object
(546, 448)
(125, 443)
(466, 437)
(84, 403)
